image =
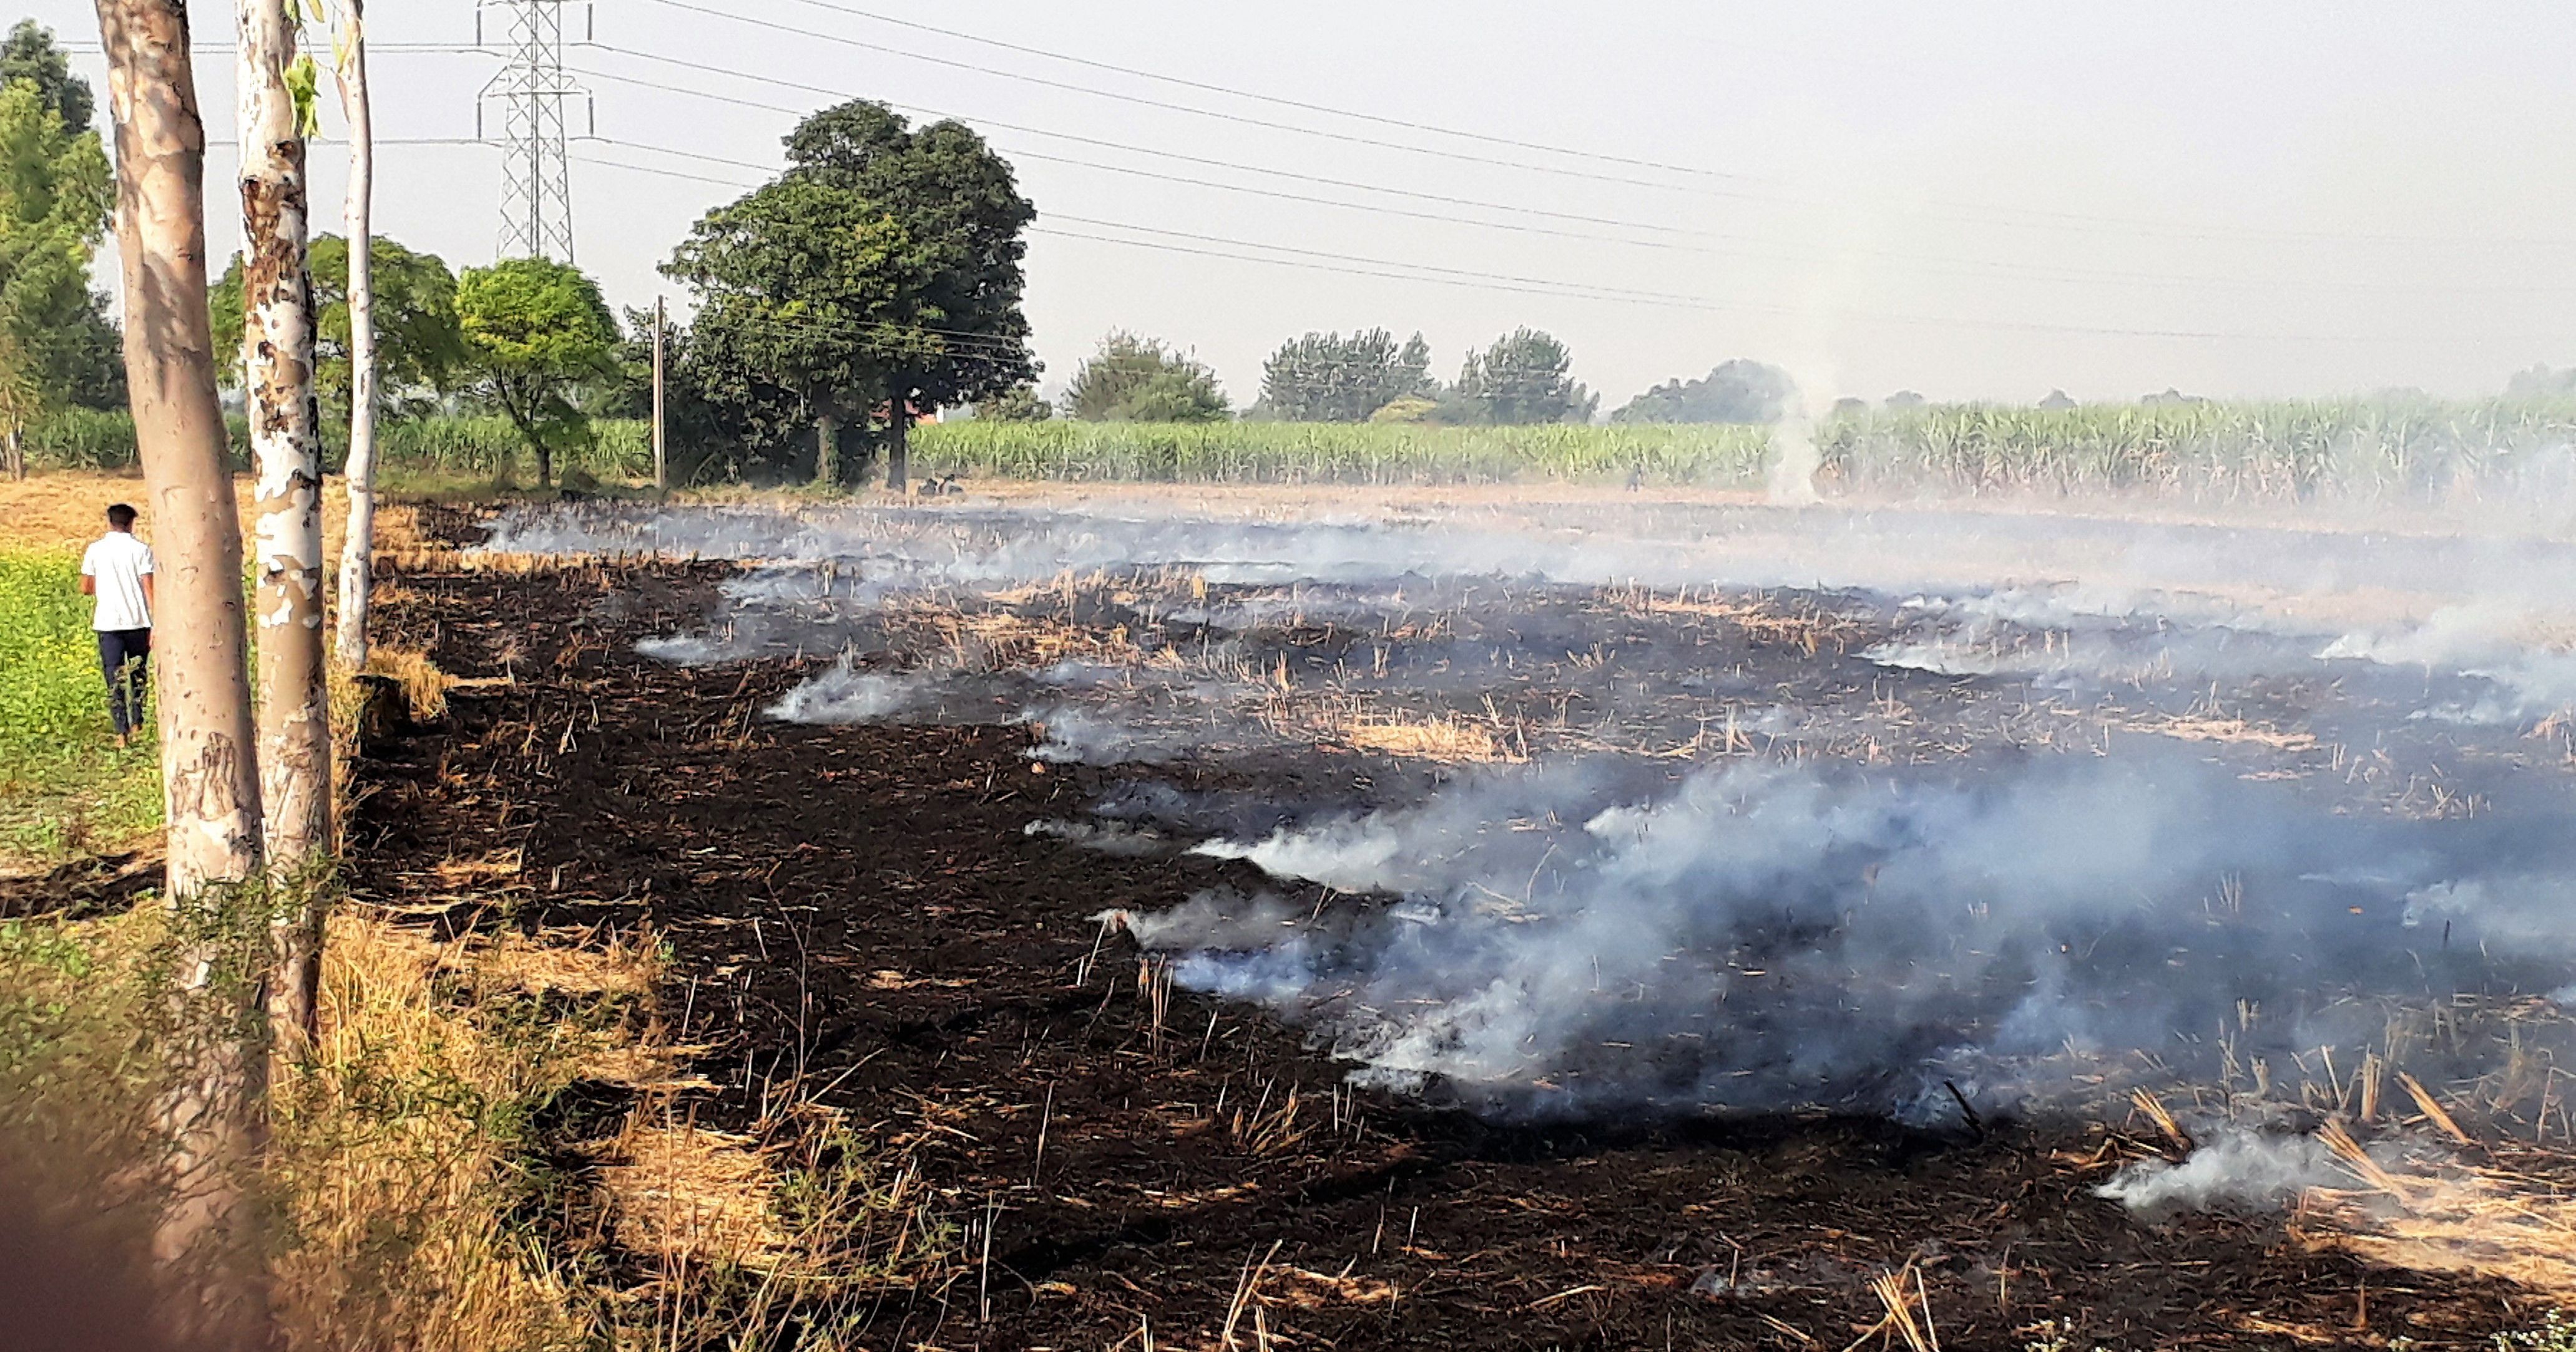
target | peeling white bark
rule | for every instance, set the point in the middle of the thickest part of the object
(357, 550)
(286, 444)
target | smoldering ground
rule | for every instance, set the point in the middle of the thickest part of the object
(1891, 811)
(1771, 936)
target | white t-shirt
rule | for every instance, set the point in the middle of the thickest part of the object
(119, 562)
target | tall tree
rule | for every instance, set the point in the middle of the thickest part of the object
(1737, 391)
(818, 288)
(53, 214)
(1132, 379)
(420, 352)
(1324, 377)
(286, 456)
(209, 773)
(1523, 378)
(358, 539)
(962, 207)
(536, 332)
(29, 54)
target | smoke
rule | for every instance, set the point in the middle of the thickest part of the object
(2508, 646)
(1770, 936)
(825, 565)
(1107, 837)
(1795, 461)
(2231, 1167)
(847, 695)
(1617, 923)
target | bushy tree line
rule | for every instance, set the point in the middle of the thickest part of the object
(58, 347)
(526, 338)
(1524, 378)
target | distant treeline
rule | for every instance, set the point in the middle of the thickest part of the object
(2201, 450)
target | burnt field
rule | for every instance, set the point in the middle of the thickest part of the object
(1388, 933)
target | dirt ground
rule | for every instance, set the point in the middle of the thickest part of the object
(858, 912)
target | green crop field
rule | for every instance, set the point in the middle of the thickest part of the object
(2256, 451)
(2234, 451)
(64, 787)
(1273, 452)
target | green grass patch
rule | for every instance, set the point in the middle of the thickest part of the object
(65, 788)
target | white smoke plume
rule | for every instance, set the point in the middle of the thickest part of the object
(847, 695)
(2230, 1167)
(1768, 936)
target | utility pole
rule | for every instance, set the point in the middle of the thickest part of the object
(536, 173)
(661, 461)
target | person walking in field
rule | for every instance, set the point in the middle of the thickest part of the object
(117, 569)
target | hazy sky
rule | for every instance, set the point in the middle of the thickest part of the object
(1974, 200)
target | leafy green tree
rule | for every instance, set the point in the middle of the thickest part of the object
(420, 350)
(1738, 391)
(816, 289)
(29, 54)
(1324, 377)
(536, 332)
(961, 207)
(1522, 378)
(725, 421)
(1132, 379)
(1020, 403)
(53, 212)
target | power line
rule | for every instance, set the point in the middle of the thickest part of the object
(1932, 263)
(1981, 214)
(1279, 100)
(1402, 270)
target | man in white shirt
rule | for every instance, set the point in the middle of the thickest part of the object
(117, 569)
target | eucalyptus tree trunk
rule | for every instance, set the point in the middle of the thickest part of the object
(827, 444)
(209, 770)
(286, 454)
(357, 551)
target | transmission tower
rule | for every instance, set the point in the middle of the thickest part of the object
(535, 97)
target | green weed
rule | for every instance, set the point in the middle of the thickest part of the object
(65, 788)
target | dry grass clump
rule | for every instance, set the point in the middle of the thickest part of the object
(395, 1153)
(424, 686)
(684, 1192)
(2444, 1213)
(570, 960)
(404, 1156)
(1446, 739)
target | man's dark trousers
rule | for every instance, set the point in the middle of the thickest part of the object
(121, 655)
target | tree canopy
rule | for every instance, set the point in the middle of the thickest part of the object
(812, 288)
(54, 200)
(1132, 379)
(29, 54)
(535, 331)
(1325, 377)
(1738, 391)
(961, 207)
(1523, 378)
(420, 350)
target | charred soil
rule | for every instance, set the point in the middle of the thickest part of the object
(859, 913)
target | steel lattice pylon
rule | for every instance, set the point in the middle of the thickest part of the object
(534, 91)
